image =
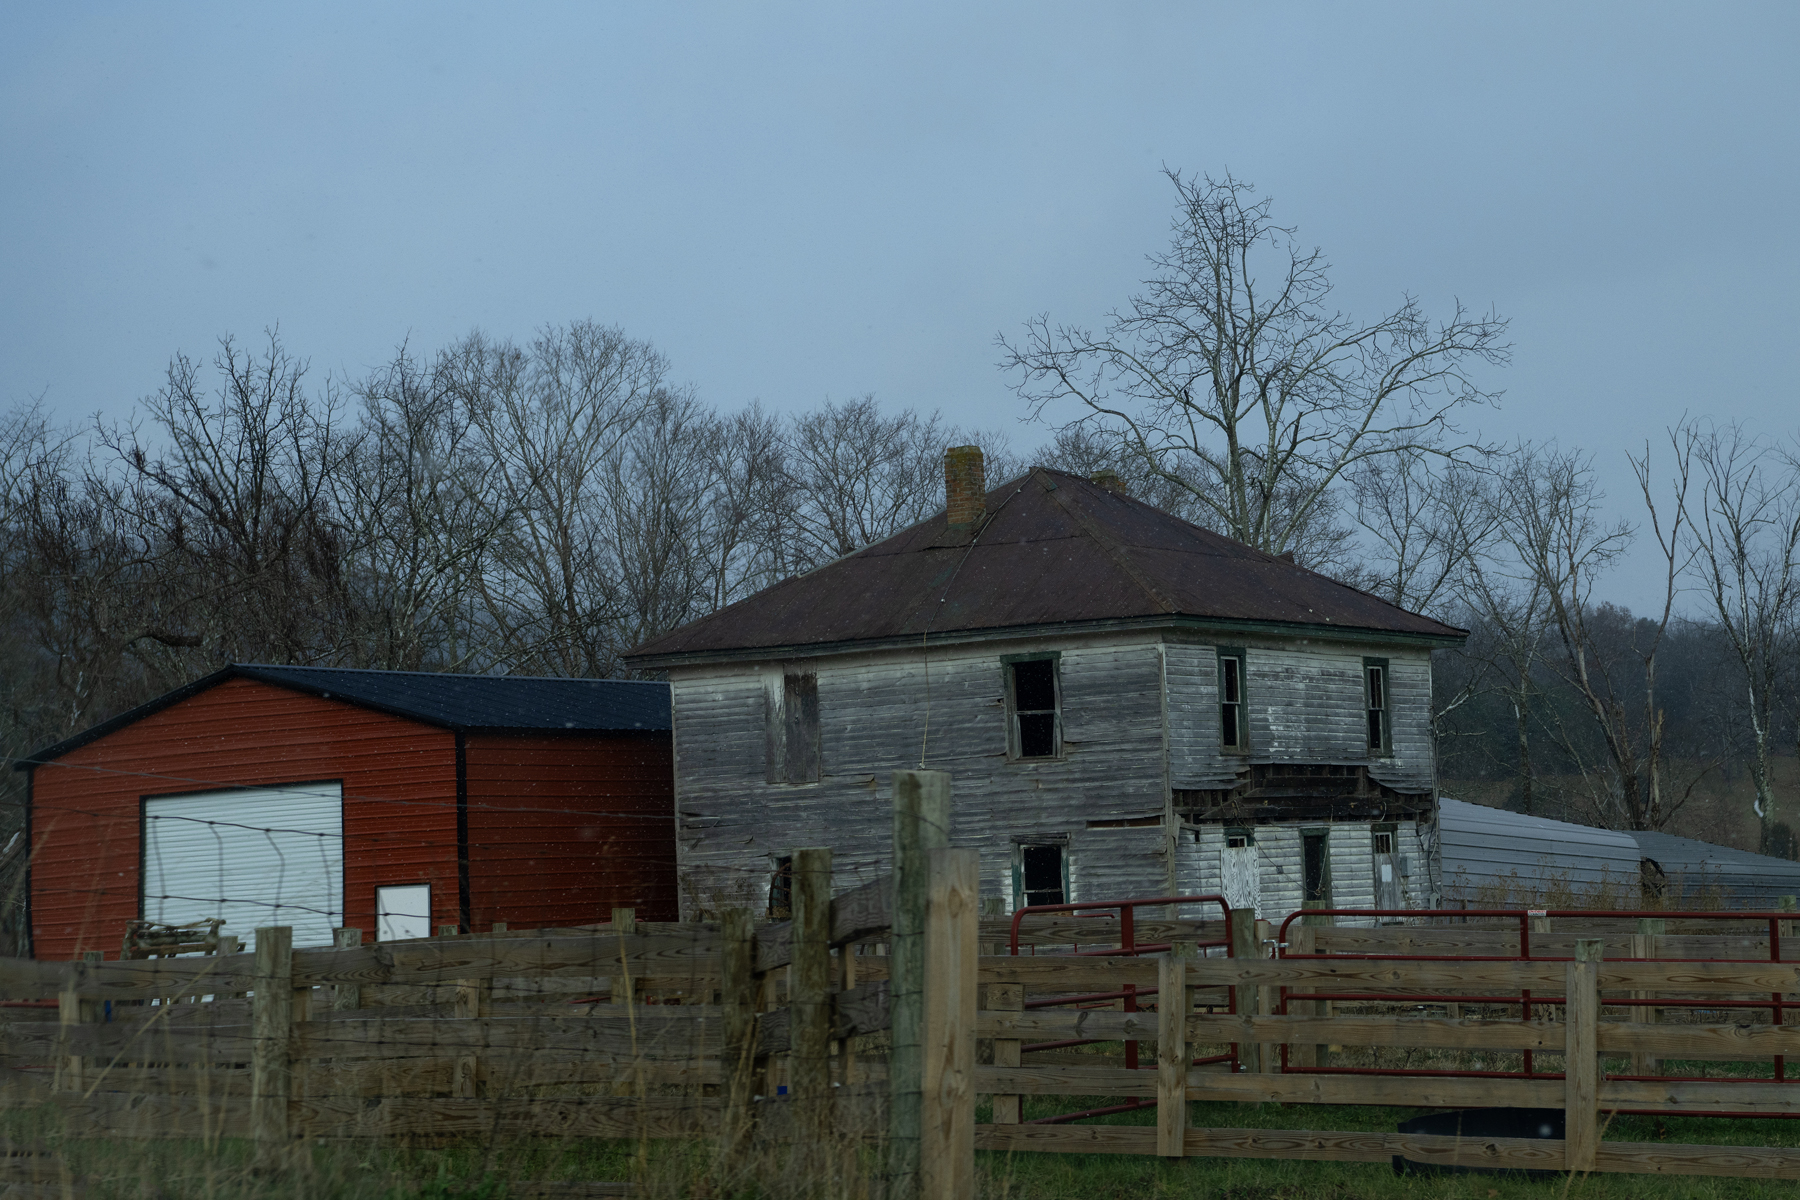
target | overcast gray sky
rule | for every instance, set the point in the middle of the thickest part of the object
(797, 201)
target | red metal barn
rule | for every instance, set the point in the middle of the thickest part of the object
(391, 801)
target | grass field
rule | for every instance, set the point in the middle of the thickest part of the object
(174, 1170)
(1103, 1177)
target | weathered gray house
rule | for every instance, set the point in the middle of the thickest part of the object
(1129, 705)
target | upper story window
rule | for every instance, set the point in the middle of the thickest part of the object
(1033, 706)
(791, 727)
(1375, 700)
(1233, 733)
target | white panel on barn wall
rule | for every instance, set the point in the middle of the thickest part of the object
(402, 912)
(254, 856)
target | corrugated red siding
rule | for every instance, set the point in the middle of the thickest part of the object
(563, 827)
(399, 780)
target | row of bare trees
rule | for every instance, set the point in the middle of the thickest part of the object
(535, 509)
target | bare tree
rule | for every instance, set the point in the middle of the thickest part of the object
(424, 504)
(1422, 522)
(1551, 516)
(230, 500)
(750, 507)
(1748, 567)
(858, 475)
(658, 505)
(551, 416)
(1245, 389)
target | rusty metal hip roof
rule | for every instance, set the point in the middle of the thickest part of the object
(1052, 549)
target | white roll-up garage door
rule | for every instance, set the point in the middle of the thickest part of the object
(254, 856)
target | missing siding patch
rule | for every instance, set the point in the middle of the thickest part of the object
(1127, 823)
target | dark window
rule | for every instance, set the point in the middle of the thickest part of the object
(1042, 870)
(792, 728)
(1384, 841)
(1315, 869)
(1035, 723)
(1375, 691)
(781, 889)
(1232, 734)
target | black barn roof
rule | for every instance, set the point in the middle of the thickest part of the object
(459, 702)
(1054, 550)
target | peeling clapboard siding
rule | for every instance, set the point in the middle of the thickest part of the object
(1278, 856)
(873, 711)
(1194, 757)
(1305, 704)
(945, 709)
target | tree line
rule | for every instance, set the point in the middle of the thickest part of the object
(489, 507)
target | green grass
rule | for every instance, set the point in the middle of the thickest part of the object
(184, 1170)
(1100, 1177)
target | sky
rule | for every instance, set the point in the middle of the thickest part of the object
(796, 202)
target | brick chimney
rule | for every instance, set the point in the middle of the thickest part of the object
(965, 485)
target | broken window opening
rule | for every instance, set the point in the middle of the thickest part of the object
(1315, 868)
(1036, 719)
(1232, 734)
(1041, 871)
(1376, 695)
(781, 889)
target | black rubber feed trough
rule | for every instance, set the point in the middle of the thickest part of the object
(1478, 1123)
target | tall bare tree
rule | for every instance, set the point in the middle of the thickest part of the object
(1231, 377)
(1748, 568)
(858, 474)
(1550, 513)
(552, 415)
(230, 498)
(424, 504)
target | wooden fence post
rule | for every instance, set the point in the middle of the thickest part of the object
(272, 1020)
(947, 1092)
(1646, 943)
(1267, 998)
(1581, 1060)
(346, 997)
(809, 1007)
(1172, 1056)
(1244, 949)
(72, 1013)
(739, 995)
(473, 1001)
(1006, 997)
(921, 825)
(1302, 938)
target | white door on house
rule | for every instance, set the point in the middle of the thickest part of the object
(1238, 869)
(254, 856)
